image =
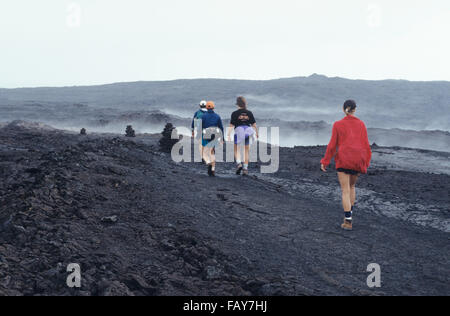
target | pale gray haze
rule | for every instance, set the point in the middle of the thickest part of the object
(86, 42)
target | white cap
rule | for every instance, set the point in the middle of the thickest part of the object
(203, 104)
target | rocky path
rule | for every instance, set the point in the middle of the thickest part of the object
(289, 230)
(128, 215)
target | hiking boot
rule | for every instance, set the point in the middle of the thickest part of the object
(245, 172)
(213, 173)
(239, 169)
(348, 225)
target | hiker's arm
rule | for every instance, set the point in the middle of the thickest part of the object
(193, 121)
(331, 149)
(367, 145)
(230, 129)
(192, 127)
(255, 127)
(222, 129)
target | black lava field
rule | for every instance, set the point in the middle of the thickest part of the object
(138, 223)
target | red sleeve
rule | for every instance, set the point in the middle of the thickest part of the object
(332, 146)
(367, 146)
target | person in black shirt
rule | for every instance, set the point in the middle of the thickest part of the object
(244, 124)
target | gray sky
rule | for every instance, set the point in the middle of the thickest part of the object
(84, 42)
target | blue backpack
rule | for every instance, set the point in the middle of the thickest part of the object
(198, 117)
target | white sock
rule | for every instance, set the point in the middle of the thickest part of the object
(238, 162)
(246, 166)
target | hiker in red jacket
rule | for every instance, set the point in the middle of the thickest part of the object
(353, 157)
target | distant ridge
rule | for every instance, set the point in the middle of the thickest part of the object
(383, 104)
(312, 76)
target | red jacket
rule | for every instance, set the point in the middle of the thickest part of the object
(350, 136)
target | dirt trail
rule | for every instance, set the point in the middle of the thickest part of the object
(234, 236)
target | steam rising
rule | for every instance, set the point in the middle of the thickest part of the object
(398, 113)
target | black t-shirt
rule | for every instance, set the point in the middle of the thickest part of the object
(242, 117)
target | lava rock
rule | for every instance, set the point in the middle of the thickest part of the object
(167, 141)
(130, 132)
(136, 283)
(58, 192)
(115, 288)
(4, 224)
(213, 273)
(110, 219)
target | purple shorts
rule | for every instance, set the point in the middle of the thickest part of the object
(247, 140)
(242, 135)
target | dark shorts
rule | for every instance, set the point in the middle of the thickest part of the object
(212, 143)
(247, 140)
(349, 171)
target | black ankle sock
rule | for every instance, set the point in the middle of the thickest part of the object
(348, 216)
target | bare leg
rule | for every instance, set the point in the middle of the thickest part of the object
(247, 154)
(237, 153)
(206, 155)
(353, 180)
(344, 180)
(200, 148)
(213, 158)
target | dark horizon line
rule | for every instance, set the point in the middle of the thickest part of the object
(315, 75)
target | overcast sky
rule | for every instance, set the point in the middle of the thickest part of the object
(84, 42)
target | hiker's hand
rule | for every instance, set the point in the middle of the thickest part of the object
(193, 134)
(323, 168)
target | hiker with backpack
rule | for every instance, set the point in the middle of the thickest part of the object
(212, 136)
(197, 126)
